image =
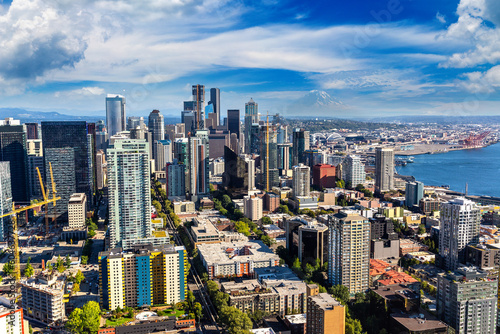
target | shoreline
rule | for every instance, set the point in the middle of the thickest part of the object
(422, 149)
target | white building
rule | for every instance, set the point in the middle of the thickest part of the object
(12, 321)
(129, 191)
(77, 210)
(5, 195)
(384, 169)
(100, 165)
(301, 181)
(460, 220)
(163, 154)
(253, 207)
(353, 170)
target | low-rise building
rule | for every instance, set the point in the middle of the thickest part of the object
(236, 258)
(422, 256)
(409, 246)
(43, 298)
(184, 207)
(250, 296)
(296, 323)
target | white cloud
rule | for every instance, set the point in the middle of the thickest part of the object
(440, 17)
(84, 91)
(482, 82)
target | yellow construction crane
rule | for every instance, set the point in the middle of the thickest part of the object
(14, 212)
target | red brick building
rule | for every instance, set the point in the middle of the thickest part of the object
(324, 176)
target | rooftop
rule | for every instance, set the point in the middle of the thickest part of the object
(418, 322)
(325, 301)
(77, 198)
(238, 251)
(296, 318)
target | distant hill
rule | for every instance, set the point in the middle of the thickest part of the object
(26, 116)
(437, 119)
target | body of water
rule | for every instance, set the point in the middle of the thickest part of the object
(479, 168)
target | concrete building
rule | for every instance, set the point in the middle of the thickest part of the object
(12, 321)
(414, 193)
(5, 198)
(301, 181)
(199, 169)
(129, 191)
(300, 141)
(324, 176)
(156, 126)
(175, 179)
(43, 298)
(349, 251)
(384, 169)
(100, 169)
(460, 220)
(353, 170)
(145, 275)
(325, 315)
(236, 258)
(483, 256)
(77, 210)
(467, 300)
(115, 114)
(253, 207)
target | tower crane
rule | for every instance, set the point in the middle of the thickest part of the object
(14, 212)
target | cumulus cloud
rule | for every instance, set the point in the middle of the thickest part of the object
(37, 38)
(84, 91)
(482, 82)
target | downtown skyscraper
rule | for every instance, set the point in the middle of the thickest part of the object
(66, 147)
(215, 102)
(251, 117)
(13, 149)
(129, 191)
(156, 125)
(198, 166)
(115, 114)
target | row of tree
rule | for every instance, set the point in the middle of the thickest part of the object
(236, 321)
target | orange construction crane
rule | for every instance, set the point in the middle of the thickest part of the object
(14, 212)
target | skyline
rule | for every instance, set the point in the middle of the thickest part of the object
(389, 57)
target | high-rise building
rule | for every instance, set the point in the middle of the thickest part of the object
(199, 169)
(197, 106)
(325, 315)
(129, 191)
(215, 102)
(163, 153)
(253, 207)
(68, 144)
(285, 157)
(301, 181)
(300, 145)
(251, 117)
(43, 298)
(13, 149)
(35, 159)
(5, 198)
(353, 170)
(218, 139)
(313, 243)
(324, 176)
(384, 169)
(115, 114)
(77, 210)
(349, 251)
(181, 150)
(269, 157)
(100, 169)
(467, 300)
(239, 173)
(33, 131)
(233, 121)
(156, 125)
(134, 122)
(460, 220)
(175, 179)
(414, 193)
(188, 118)
(144, 275)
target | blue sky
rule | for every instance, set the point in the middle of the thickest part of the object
(373, 57)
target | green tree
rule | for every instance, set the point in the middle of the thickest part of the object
(266, 220)
(226, 201)
(197, 310)
(29, 271)
(340, 292)
(76, 287)
(74, 323)
(79, 277)
(30, 329)
(296, 264)
(190, 298)
(266, 240)
(8, 268)
(242, 227)
(67, 261)
(340, 184)
(91, 315)
(236, 321)
(421, 229)
(84, 259)
(353, 326)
